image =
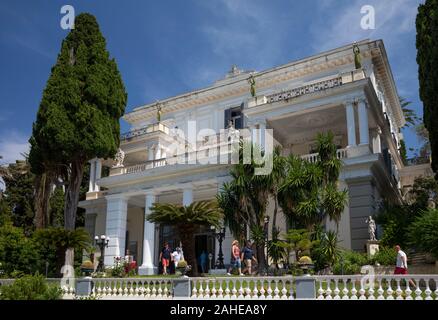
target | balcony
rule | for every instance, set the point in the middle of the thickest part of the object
(152, 128)
(313, 157)
(312, 87)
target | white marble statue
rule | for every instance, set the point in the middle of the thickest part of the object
(119, 158)
(371, 228)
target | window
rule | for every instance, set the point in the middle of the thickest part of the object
(235, 115)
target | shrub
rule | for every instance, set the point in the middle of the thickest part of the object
(30, 288)
(350, 262)
(182, 264)
(423, 233)
(386, 256)
(17, 252)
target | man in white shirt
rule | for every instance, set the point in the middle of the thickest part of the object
(401, 266)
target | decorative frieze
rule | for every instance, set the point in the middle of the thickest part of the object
(310, 88)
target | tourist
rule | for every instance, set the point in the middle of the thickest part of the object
(203, 261)
(401, 266)
(248, 257)
(165, 257)
(177, 256)
(235, 255)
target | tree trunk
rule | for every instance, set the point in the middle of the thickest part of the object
(42, 200)
(274, 217)
(186, 234)
(261, 259)
(72, 194)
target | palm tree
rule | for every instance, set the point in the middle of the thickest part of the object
(186, 218)
(310, 192)
(62, 241)
(410, 115)
(244, 200)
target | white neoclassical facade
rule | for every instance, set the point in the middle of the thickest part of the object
(163, 162)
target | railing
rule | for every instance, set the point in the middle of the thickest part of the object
(132, 288)
(326, 287)
(306, 89)
(313, 157)
(156, 127)
(377, 287)
(259, 288)
(145, 166)
(418, 160)
(211, 154)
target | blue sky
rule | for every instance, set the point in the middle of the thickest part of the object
(164, 48)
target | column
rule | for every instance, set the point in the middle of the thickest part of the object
(92, 175)
(151, 153)
(363, 122)
(262, 134)
(98, 174)
(148, 267)
(187, 195)
(116, 215)
(351, 126)
(158, 152)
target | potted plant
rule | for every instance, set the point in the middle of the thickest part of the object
(87, 267)
(305, 263)
(182, 267)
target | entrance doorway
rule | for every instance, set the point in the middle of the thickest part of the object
(204, 246)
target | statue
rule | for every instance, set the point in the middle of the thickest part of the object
(158, 112)
(251, 81)
(120, 157)
(371, 228)
(357, 57)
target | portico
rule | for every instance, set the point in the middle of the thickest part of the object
(126, 224)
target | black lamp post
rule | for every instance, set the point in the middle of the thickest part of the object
(220, 237)
(102, 243)
(266, 233)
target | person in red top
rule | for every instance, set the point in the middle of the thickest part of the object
(235, 255)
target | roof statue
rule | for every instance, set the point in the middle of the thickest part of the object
(357, 57)
(251, 81)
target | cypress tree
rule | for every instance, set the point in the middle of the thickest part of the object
(427, 59)
(78, 117)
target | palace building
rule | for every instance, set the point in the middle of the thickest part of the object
(159, 162)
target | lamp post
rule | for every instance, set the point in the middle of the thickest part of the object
(266, 233)
(220, 236)
(102, 243)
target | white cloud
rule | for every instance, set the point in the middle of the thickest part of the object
(12, 146)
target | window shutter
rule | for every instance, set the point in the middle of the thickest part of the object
(227, 117)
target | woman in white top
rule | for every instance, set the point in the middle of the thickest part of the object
(177, 256)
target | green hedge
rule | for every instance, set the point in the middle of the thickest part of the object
(30, 288)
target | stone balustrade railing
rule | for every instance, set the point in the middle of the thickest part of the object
(313, 157)
(326, 287)
(132, 288)
(377, 287)
(243, 288)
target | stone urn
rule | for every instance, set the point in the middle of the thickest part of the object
(306, 264)
(87, 267)
(182, 268)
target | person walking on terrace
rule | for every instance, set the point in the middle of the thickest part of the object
(235, 255)
(247, 257)
(165, 257)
